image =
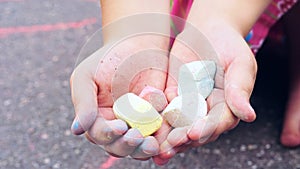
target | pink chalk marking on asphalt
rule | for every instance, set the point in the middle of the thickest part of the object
(11, 0)
(46, 27)
(109, 162)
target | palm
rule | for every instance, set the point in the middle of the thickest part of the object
(112, 71)
(234, 60)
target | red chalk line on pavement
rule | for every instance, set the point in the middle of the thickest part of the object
(11, 0)
(46, 27)
(109, 162)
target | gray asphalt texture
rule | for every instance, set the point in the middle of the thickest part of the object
(36, 110)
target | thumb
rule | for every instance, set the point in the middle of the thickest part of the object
(84, 97)
(171, 89)
(239, 82)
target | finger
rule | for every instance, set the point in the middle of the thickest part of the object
(178, 136)
(204, 141)
(239, 82)
(168, 152)
(104, 132)
(161, 135)
(106, 113)
(165, 154)
(148, 148)
(88, 137)
(201, 130)
(84, 97)
(217, 96)
(218, 120)
(126, 144)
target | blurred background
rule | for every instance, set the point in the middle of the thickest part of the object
(39, 45)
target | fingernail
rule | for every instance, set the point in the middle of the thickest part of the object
(199, 123)
(168, 154)
(119, 126)
(133, 137)
(251, 108)
(135, 142)
(249, 115)
(76, 127)
(148, 148)
(167, 150)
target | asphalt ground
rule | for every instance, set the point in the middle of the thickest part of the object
(39, 45)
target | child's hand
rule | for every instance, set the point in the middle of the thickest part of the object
(234, 82)
(109, 73)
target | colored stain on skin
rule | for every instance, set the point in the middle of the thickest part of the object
(76, 128)
(76, 125)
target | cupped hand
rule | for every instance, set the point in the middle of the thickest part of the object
(234, 82)
(125, 66)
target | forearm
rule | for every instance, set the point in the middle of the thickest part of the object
(114, 10)
(240, 14)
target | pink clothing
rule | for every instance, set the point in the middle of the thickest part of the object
(270, 16)
(261, 28)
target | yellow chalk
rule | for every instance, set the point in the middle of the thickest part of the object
(137, 113)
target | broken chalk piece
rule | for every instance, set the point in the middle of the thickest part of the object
(137, 113)
(184, 110)
(155, 97)
(197, 77)
(204, 87)
(198, 70)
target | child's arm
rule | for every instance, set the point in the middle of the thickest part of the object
(113, 10)
(91, 81)
(240, 14)
(224, 24)
(215, 18)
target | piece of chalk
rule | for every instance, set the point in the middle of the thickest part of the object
(198, 70)
(197, 77)
(184, 110)
(204, 87)
(155, 97)
(137, 113)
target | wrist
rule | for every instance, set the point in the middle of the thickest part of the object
(137, 25)
(241, 15)
(121, 18)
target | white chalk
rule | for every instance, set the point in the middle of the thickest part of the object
(198, 70)
(197, 77)
(184, 110)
